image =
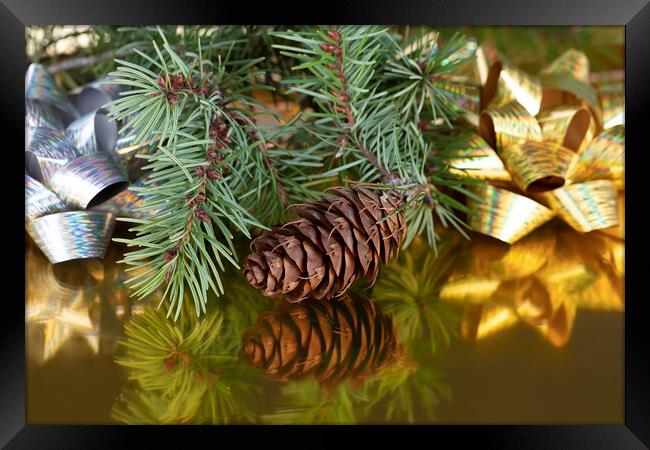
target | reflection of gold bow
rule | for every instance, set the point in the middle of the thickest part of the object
(548, 146)
(541, 280)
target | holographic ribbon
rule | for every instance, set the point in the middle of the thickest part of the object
(39, 85)
(70, 166)
(546, 147)
(130, 203)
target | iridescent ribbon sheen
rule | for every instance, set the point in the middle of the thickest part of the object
(39, 85)
(73, 234)
(69, 165)
(541, 157)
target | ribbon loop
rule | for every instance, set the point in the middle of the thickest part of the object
(542, 141)
(538, 166)
(508, 124)
(504, 83)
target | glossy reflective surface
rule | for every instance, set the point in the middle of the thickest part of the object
(484, 333)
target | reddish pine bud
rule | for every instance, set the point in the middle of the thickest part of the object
(213, 174)
(169, 254)
(200, 197)
(333, 67)
(428, 201)
(211, 155)
(334, 35)
(169, 272)
(341, 109)
(202, 215)
(342, 97)
(190, 82)
(199, 171)
(161, 81)
(177, 81)
(171, 98)
(338, 51)
(169, 363)
(239, 119)
(226, 140)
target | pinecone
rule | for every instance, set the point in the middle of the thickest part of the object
(329, 341)
(332, 243)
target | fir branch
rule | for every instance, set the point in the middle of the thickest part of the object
(209, 157)
(370, 106)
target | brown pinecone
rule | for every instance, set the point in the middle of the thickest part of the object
(329, 341)
(332, 243)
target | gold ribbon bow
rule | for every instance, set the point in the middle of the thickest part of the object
(548, 146)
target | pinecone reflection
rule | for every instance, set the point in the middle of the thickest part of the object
(329, 341)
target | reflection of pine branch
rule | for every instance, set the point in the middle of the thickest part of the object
(186, 372)
(399, 394)
(409, 289)
(306, 403)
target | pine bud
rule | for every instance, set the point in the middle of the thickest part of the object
(213, 174)
(200, 197)
(169, 363)
(178, 81)
(334, 35)
(169, 254)
(199, 171)
(202, 215)
(171, 98)
(169, 272)
(161, 81)
(211, 155)
(341, 109)
(338, 51)
(239, 119)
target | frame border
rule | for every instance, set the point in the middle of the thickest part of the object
(634, 14)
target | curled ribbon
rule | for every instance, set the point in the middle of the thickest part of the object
(548, 146)
(71, 168)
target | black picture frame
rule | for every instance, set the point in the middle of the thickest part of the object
(634, 433)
